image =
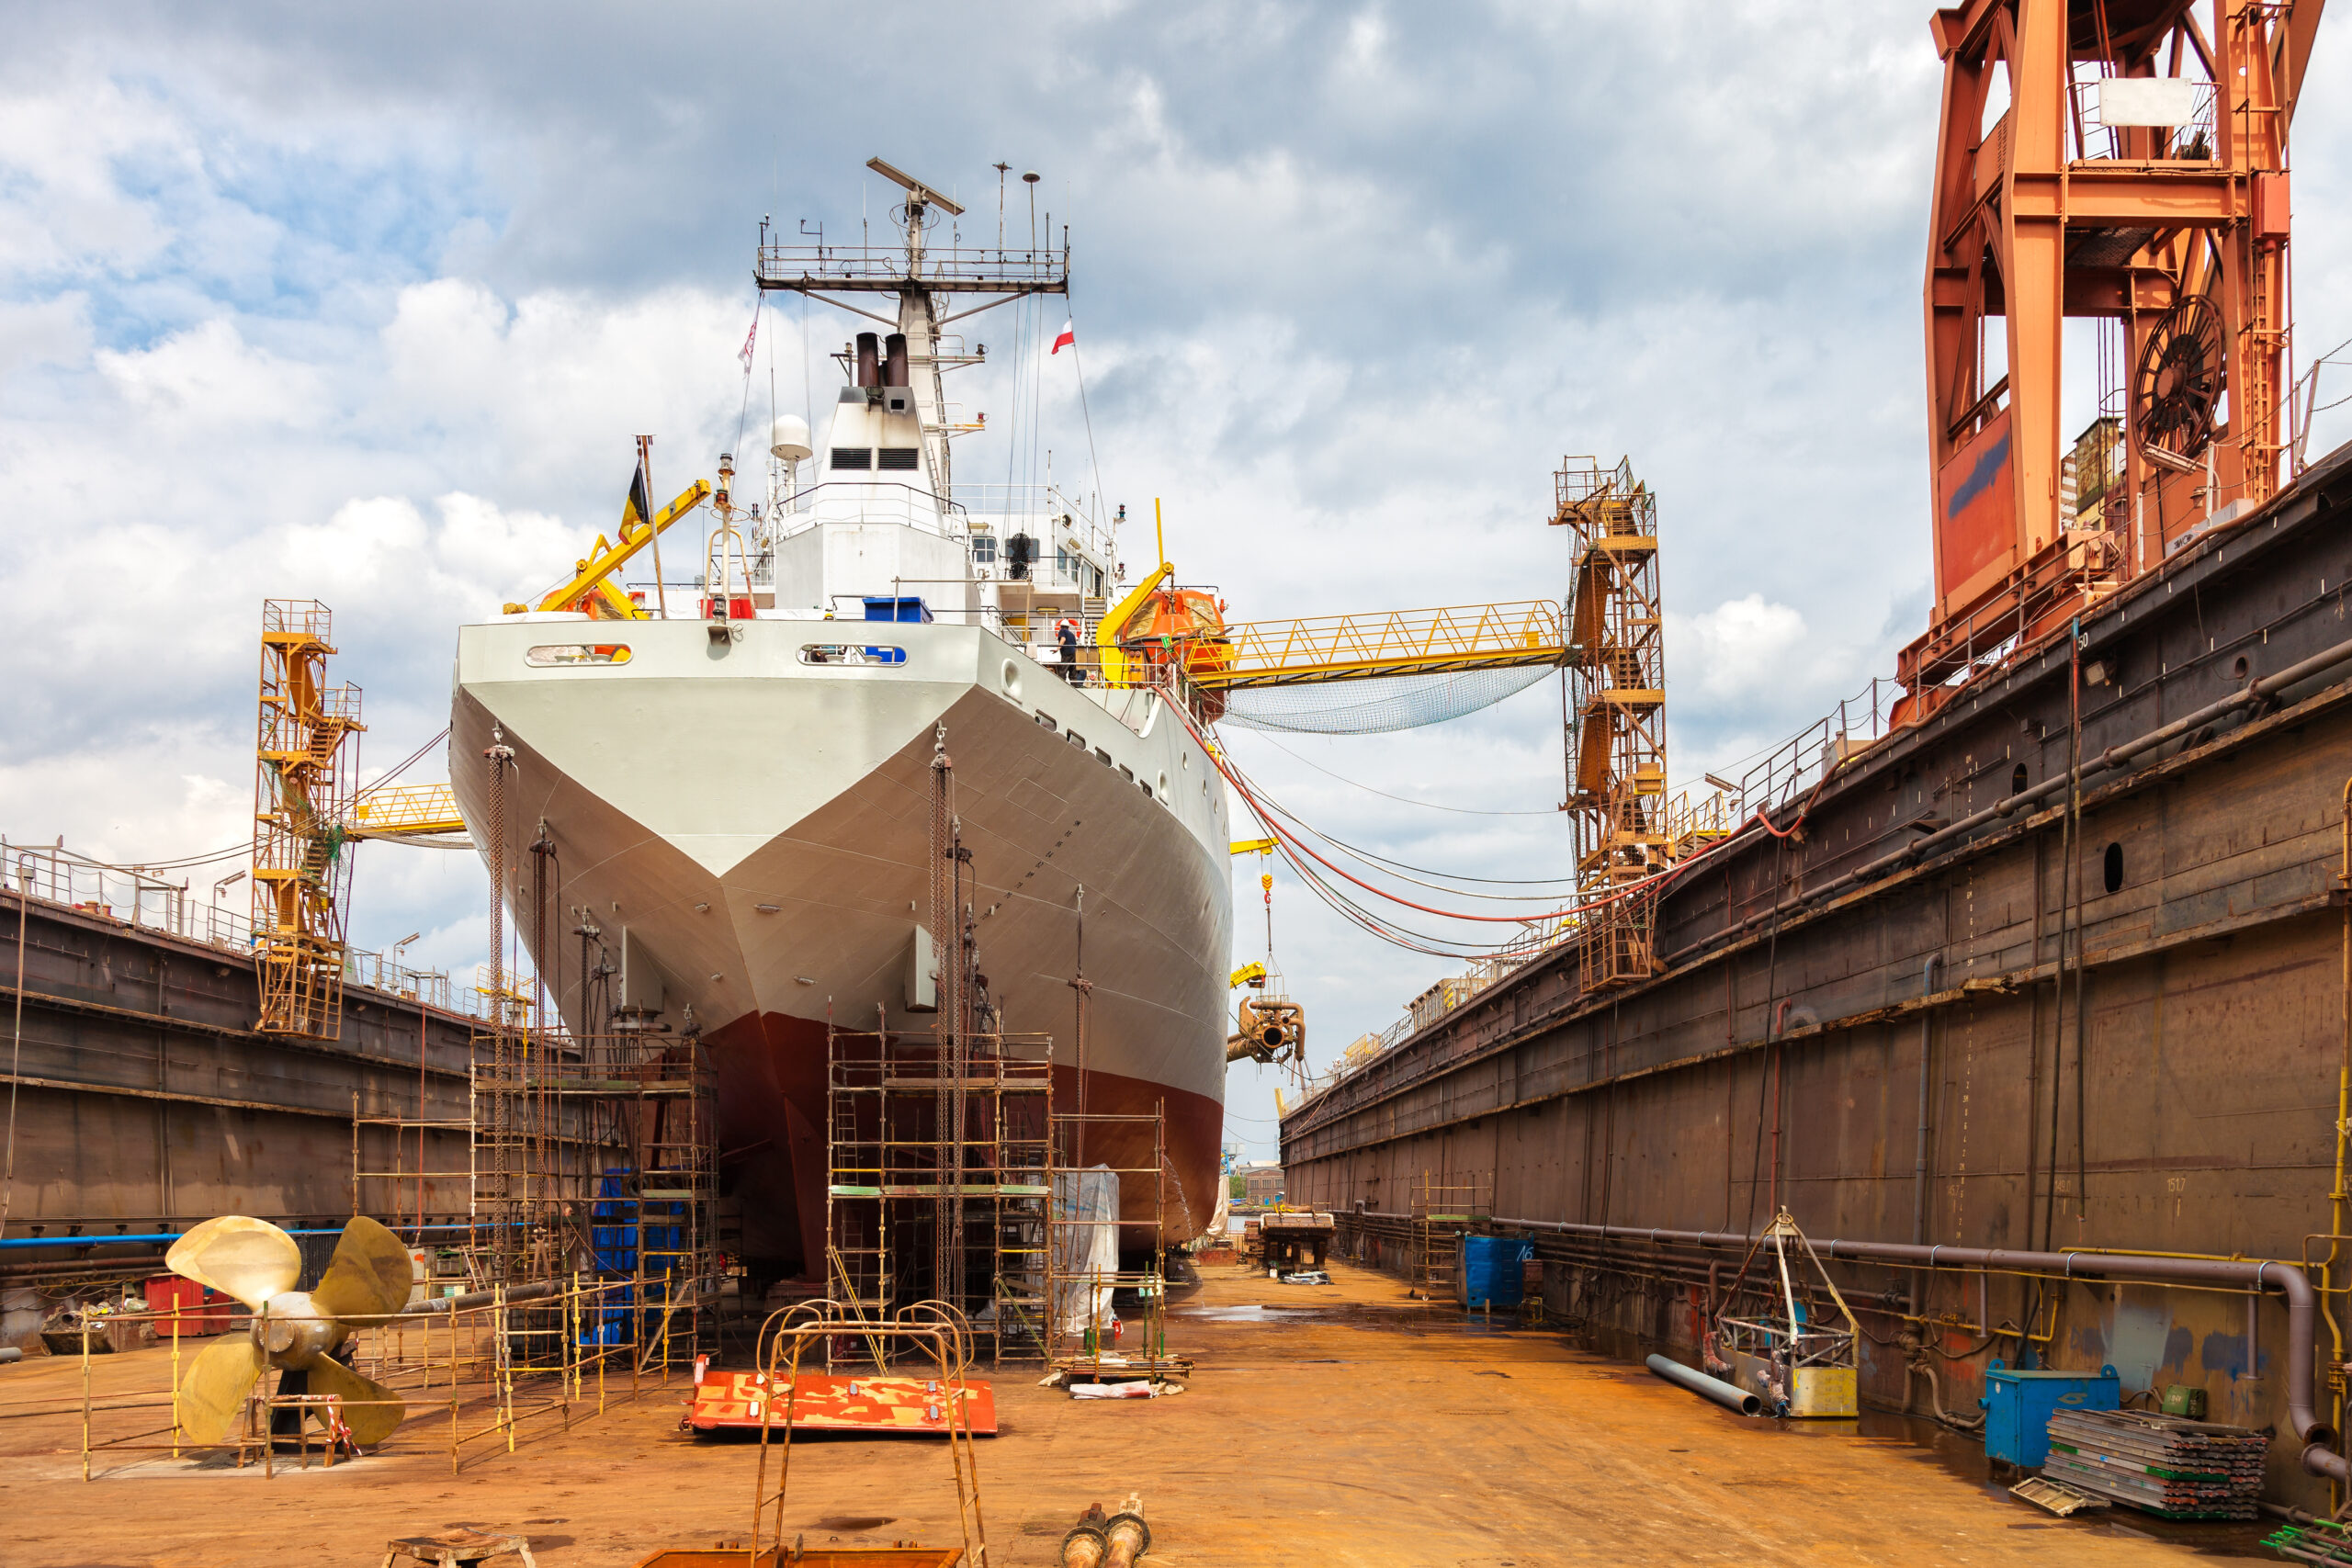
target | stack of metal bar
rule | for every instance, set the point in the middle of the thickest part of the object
(2316, 1541)
(2160, 1464)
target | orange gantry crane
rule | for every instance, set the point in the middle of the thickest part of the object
(2124, 161)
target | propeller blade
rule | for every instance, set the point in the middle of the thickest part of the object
(372, 1411)
(213, 1391)
(250, 1259)
(368, 1279)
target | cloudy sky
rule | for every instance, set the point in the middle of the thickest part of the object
(363, 305)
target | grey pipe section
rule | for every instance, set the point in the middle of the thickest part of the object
(2251, 1274)
(1705, 1387)
(1919, 1160)
(2253, 693)
(474, 1299)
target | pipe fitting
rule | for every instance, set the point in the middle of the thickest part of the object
(1129, 1537)
(1085, 1546)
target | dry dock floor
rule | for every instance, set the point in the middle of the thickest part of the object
(1328, 1424)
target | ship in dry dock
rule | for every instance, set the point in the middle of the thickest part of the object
(742, 803)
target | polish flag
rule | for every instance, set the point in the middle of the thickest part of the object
(745, 354)
(1067, 340)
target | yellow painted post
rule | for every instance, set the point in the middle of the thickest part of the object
(86, 1396)
(505, 1364)
(176, 1381)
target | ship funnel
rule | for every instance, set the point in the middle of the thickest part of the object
(894, 360)
(788, 438)
(869, 355)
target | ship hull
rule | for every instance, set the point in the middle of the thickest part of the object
(756, 829)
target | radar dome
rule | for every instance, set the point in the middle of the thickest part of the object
(788, 437)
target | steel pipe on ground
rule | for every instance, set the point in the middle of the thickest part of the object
(1705, 1387)
(2256, 1275)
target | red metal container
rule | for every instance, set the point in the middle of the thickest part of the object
(193, 1310)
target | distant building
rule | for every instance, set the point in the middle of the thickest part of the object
(1261, 1182)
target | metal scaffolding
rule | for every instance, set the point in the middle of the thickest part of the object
(304, 755)
(913, 1214)
(1084, 1293)
(591, 1152)
(1444, 1206)
(1617, 717)
(939, 1158)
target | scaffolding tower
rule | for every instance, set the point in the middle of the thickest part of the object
(1445, 1206)
(939, 1142)
(1617, 716)
(937, 1184)
(595, 1150)
(304, 755)
(1130, 1151)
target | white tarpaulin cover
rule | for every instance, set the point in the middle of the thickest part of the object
(1086, 1245)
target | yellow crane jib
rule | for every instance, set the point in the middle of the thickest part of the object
(405, 811)
(1400, 642)
(1256, 846)
(591, 588)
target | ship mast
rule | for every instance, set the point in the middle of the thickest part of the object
(924, 278)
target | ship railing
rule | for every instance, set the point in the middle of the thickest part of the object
(147, 899)
(867, 501)
(943, 268)
(1797, 765)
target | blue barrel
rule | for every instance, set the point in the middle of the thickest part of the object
(1493, 1271)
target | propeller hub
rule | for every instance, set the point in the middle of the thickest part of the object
(293, 1331)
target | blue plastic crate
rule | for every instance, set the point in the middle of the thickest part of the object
(2017, 1405)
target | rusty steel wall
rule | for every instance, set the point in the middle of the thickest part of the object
(2187, 1105)
(145, 1101)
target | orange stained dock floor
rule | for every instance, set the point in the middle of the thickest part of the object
(1328, 1424)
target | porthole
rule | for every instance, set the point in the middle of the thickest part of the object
(2113, 867)
(1010, 676)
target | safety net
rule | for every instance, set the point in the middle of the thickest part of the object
(1372, 707)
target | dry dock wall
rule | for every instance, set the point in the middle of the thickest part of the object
(146, 1103)
(2189, 1105)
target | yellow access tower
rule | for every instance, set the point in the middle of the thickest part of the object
(1616, 637)
(304, 756)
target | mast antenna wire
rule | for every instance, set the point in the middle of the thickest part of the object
(743, 411)
(1079, 365)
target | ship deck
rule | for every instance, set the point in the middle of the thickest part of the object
(1340, 1424)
